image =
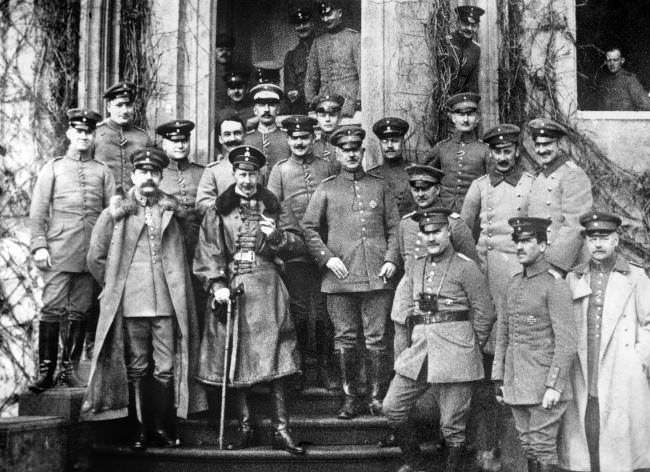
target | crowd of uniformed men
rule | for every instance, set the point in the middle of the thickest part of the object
(467, 277)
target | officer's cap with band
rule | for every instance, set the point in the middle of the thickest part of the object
(150, 158)
(176, 130)
(348, 134)
(83, 119)
(432, 219)
(424, 173)
(599, 222)
(266, 93)
(328, 103)
(299, 124)
(325, 7)
(236, 77)
(463, 101)
(267, 72)
(525, 227)
(546, 128)
(502, 135)
(390, 127)
(247, 158)
(469, 13)
(120, 90)
(300, 12)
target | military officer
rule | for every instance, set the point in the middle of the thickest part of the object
(391, 131)
(356, 214)
(560, 192)
(238, 101)
(295, 61)
(268, 136)
(328, 114)
(536, 345)
(69, 194)
(334, 62)
(117, 136)
(224, 46)
(606, 425)
(618, 89)
(294, 181)
(147, 323)
(451, 315)
(238, 243)
(217, 176)
(462, 157)
(465, 53)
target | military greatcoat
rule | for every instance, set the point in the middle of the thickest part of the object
(264, 346)
(536, 337)
(465, 57)
(334, 67)
(562, 193)
(295, 69)
(114, 145)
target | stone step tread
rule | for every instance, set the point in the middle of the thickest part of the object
(301, 420)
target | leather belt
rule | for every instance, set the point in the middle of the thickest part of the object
(439, 317)
(244, 256)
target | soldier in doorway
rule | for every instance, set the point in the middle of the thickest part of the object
(238, 101)
(465, 54)
(223, 60)
(295, 61)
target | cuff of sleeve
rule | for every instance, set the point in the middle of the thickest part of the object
(38, 243)
(323, 256)
(552, 379)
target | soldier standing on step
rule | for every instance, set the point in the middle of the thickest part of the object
(238, 244)
(328, 114)
(356, 214)
(147, 330)
(452, 315)
(70, 193)
(295, 61)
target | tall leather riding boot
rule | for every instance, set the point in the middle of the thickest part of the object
(406, 439)
(281, 437)
(349, 379)
(306, 361)
(244, 438)
(546, 467)
(136, 415)
(162, 403)
(376, 379)
(532, 465)
(48, 346)
(328, 375)
(455, 455)
(73, 341)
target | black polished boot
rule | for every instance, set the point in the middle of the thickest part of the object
(73, 342)
(244, 438)
(162, 409)
(281, 438)
(376, 379)
(136, 416)
(455, 455)
(349, 378)
(48, 346)
(327, 373)
(406, 439)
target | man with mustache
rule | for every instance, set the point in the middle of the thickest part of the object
(356, 214)
(117, 137)
(238, 244)
(69, 194)
(490, 201)
(268, 136)
(237, 102)
(145, 358)
(606, 425)
(535, 347)
(451, 315)
(465, 53)
(295, 61)
(294, 182)
(334, 61)
(391, 131)
(560, 192)
(217, 176)
(462, 157)
(328, 114)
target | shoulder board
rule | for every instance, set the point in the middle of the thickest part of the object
(282, 161)
(57, 158)
(446, 140)
(212, 164)
(331, 177)
(251, 131)
(475, 43)
(482, 178)
(556, 275)
(200, 166)
(375, 170)
(454, 215)
(572, 165)
(409, 215)
(351, 30)
(463, 256)
(100, 124)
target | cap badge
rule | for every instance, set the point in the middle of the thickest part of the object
(373, 204)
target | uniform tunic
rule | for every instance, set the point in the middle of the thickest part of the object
(243, 109)
(621, 92)
(465, 56)
(490, 201)
(462, 158)
(114, 145)
(295, 69)
(397, 180)
(216, 178)
(562, 192)
(334, 67)
(273, 145)
(181, 179)
(536, 337)
(356, 213)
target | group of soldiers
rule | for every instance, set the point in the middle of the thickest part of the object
(464, 274)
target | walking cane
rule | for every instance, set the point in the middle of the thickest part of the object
(226, 357)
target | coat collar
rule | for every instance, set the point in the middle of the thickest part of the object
(555, 165)
(466, 138)
(356, 175)
(538, 267)
(230, 200)
(121, 207)
(620, 265)
(512, 177)
(179, 164)
(79, 156)
(303, 160)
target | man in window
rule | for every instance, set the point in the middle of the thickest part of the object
(619, 89)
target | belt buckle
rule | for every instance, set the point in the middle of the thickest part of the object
(245, 256)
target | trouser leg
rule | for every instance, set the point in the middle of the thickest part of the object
(454, 400)
(543, 426)
(592, 429)
(136, 414)
(375, 309)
